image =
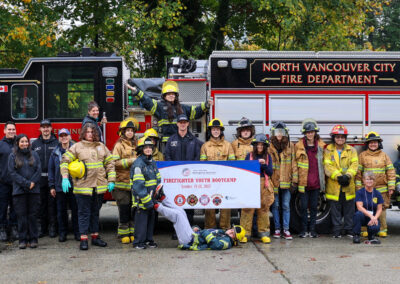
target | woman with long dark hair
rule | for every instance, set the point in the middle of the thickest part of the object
(25, 171)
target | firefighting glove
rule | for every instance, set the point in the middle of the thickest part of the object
(293, 188)
(65, 185)
(111, 186)
(343, 180)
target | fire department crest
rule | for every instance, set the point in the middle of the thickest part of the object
(180, 200)
(204, 199)
(192, 200)
(216, 199)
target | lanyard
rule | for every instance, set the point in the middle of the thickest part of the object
(372, 200)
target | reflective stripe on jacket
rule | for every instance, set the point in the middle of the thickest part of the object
(334, 167)
(124, 154)
(285, 169)
(380, 164)
(241, 147)
(217, 150)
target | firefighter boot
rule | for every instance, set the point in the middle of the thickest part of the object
(265, 240)
(3, 234)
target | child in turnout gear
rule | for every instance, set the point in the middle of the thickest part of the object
(145, 178)
(124, 155)
(167, 110)
(97, 175)
(217, 149)
(260, 152)
(244, 133)
(309, 156)
(193, 238)
(157, 155)
(341, 165)
(284, 177)
(375, 160)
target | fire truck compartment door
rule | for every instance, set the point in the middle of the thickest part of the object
(327, 110)
(231, 108)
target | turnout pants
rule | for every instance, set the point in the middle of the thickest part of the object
(124, 203)
(224, 219)
(178, 218)
(359, 219)
(246, 218)
(144, 225)
(386, 205)
(88, 212)
(342, 209)
(27, 207)
(6, 201)
(63, 200)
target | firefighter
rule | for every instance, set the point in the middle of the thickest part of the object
(124, 155)
(93, 117)
(373, 159)
(24, 169)
(397, 168)
(217, 149)
(145, 178)
(341, 165)
(284, 177)
(260, 145)
(244, 136)
(89, 188)
(167, 110)
(152, 133)
(309, 156)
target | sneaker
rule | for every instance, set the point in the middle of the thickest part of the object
(22, 245)
(314, 235)
(303, 235)
(84, 245)
(98, 242)
(286, 235)
(151, 244)
(349, 234)
(277, 234)
(139, 246)
(356, 239)
(337, 235)
(374, 241)
(34, 244)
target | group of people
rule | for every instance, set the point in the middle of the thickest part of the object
(39, 182)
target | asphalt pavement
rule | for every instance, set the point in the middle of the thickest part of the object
(322, 260)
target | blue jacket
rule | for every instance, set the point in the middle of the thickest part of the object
(212, 239)
(6, 148)
(23, 176)
(177, 144)
(160, 110)
(55, 178)
(264, 169)
(145, 178)
(89, 119)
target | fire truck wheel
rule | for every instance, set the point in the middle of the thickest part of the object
(323, 214)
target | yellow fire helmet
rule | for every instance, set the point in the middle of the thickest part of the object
(240, 232)
(170, 87)
(151, 132)
(130, 122)
(216, 123)
(145, 140)
(373, 136)
(76, 169)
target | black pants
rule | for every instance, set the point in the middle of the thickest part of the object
(6, 201)
(144, 225)
(27, 207)
(48, 209)
(88, 213)
(63, 200)
(309, 199)
(342, 209)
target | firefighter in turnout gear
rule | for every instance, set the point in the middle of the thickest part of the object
(260, 152)
(244, 134)
(145, 178)
(157, 155)
(217, 149)
(89, 190)
(309, 156)
(124, 155)
(285, 176)
(373, 159)
(397, 168)
(341, 165)
(168, 108)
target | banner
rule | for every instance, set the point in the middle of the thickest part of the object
(212, 184)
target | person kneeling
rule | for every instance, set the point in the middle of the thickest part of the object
(369, 205)
(194, 238)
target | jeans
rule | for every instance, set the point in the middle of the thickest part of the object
(359, 219)
(88, 213)
(6, 201)
(285, 195)
(63, 200)
(27, 207)
(309, 200)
